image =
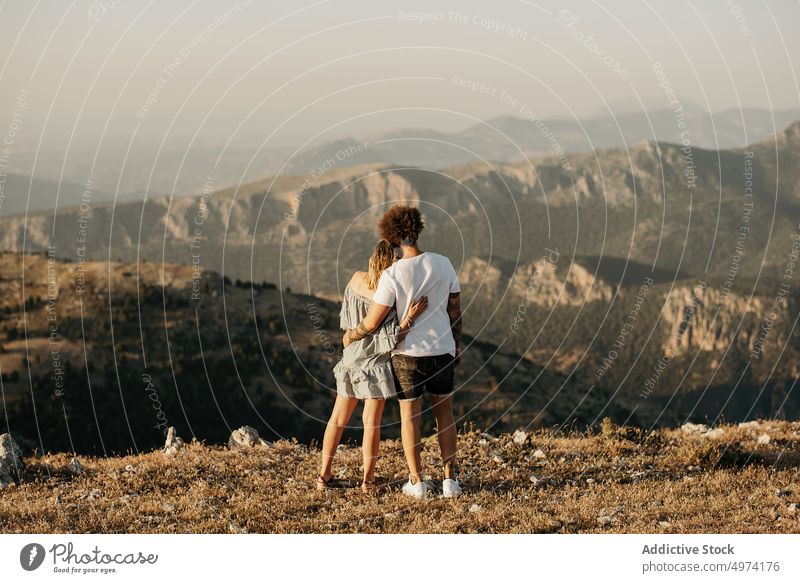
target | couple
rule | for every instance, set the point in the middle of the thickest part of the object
(403, 339)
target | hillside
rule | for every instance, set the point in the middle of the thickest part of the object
(729, 480)
(99, 357)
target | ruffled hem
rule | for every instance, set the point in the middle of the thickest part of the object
(371, 383)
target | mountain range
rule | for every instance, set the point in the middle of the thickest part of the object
(658, 281)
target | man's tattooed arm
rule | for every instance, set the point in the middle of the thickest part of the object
(454, 312)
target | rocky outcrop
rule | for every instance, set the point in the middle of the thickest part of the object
(693, 323)
(244, 438)
(173, 444)
(11, 464)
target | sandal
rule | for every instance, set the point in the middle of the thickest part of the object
(323, 484)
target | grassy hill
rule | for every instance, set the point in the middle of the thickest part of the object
(619, 480)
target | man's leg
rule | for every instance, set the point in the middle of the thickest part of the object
(410, 412)
(446, 432)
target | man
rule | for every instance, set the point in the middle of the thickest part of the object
(425, 361)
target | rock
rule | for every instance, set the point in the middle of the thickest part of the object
(764, 439)
(94, 494)
(694, 428)
(782, 493)
(475, 508)
(792, 508)
(605, 520)
(75, 467)
(173, 444)
(664, 523)
(539, 454)
(130, 469)
(168, 507)
(498, 459)
(245, 437)
(520, 437)
(11, 464)
(749, 424)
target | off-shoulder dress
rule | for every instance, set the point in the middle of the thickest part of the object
(365, 371)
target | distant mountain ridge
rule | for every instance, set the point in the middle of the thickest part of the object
(510, 138)
(182, 169)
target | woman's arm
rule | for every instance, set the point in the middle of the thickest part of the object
(375, 316)
(370, 323)
(414, 310)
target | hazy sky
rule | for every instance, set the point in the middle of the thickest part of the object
(295, 69)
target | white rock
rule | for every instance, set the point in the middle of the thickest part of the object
(475, 508)
(694, 428)
(520, 437)
(749, 424)
(75, 467)
(498, 459)
(539, 454)
(793, 508)
(245, 437)
(664, 523)
(173, 444)
(11, 464)
(715, 433)
(764, 439)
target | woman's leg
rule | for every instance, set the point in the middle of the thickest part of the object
(342, 410)
(373, 412)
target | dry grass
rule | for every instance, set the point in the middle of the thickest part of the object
(616, 481)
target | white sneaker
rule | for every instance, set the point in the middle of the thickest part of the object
(418, 490)
(451, 488)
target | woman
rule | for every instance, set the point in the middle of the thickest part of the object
(365, 371)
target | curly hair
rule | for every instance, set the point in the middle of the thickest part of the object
(401, 225)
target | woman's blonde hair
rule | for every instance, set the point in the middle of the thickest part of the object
(382, 257)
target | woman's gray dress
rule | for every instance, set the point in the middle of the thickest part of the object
(365, 371)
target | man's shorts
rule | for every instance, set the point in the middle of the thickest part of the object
(414, 375)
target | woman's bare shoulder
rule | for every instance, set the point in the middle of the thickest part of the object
(357, 281)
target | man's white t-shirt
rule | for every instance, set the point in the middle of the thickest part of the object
(427, 274)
